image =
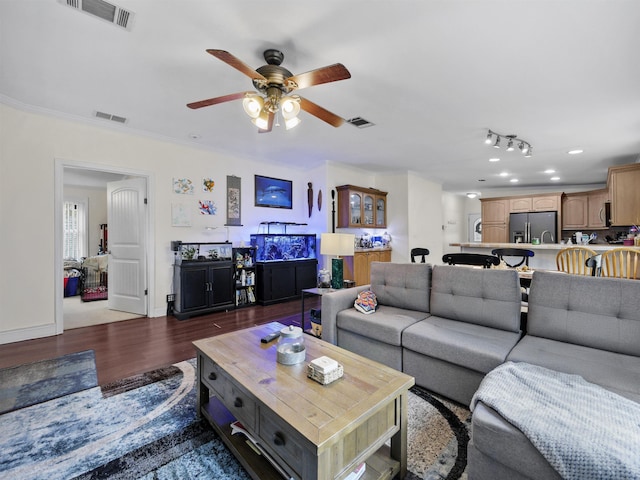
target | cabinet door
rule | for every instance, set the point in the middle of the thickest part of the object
(368, 211)
(495, 233)
(361, 268)
(575, 212)
(222, 287)
(520, 205)
(381, 212)
(355, 209)
(306, 275)
(283, 281)
(625, 197)
(596, 201)
(495, 211)
(545, 204)
(195, 287)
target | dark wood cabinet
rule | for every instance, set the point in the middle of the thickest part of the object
(280, 281)
(203, 287)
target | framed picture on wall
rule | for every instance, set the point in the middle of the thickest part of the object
(273, 192)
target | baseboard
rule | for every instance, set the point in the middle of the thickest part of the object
(27, 333)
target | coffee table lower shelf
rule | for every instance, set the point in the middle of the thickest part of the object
(380, 465)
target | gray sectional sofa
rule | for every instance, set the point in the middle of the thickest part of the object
(449, 326)
(446, 326)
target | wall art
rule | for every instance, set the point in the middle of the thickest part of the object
(208, 184)
(207, 207)
(234, 198)
(183, 186)
(180, 215)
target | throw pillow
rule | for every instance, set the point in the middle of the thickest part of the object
(366, 302)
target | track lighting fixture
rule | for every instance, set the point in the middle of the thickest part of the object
(512, 140)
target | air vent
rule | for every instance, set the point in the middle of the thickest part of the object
(113, 118)
(103, 10)
(360, 122)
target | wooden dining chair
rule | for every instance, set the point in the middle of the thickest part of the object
(475, 259)
(518, 253)
(419, 252)
(574, 260)
(622, 262)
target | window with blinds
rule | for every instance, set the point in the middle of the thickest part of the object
(74, 219)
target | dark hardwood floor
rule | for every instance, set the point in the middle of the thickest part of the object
(136, 346)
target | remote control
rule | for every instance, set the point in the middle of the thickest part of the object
(270, 337)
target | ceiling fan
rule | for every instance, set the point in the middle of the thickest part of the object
(276, 84)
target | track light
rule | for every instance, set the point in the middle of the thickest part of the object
(523, 145)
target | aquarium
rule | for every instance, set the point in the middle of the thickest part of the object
(279, 247)
(210, 251)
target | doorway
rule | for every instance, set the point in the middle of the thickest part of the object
(91, 180)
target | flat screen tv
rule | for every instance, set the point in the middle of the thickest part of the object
(273, 192)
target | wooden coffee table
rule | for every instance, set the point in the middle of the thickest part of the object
(312, 431)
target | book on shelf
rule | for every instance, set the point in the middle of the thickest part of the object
(237, 427)
(357, 473)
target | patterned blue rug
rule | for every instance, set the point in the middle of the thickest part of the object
(145, 427)
(38, 382)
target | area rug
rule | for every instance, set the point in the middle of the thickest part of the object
(38, 382)
(145, 427)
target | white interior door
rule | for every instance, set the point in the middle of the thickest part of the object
(126, 217)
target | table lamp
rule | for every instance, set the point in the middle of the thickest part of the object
(338, 244)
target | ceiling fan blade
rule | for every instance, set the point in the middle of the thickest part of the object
(332, 73)
(269, 124)
(216, 100)
(236, 63)
(321, 113)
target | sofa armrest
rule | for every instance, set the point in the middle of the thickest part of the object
(332, 304)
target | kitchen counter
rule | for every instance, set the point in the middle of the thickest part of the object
(544, 254)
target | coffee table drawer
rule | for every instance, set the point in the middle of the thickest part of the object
(213, 377)
(282, 439)
(241, 405)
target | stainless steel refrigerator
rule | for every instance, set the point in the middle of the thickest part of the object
(526, 226)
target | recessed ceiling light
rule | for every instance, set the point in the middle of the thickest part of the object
(550, 170)
(575, 152)
(555, 179)
(194, 136)
(514, 180)
(494, 159)
(504, 174)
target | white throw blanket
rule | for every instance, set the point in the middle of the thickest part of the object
(584, 431)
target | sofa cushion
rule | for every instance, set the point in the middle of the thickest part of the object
(485, 297)
(402, 285)
(598, 312)
(472, 346)
(385, 325)
(613, 371)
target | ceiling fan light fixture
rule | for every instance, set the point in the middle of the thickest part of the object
(290, 107)
(290, 123)
(253, 105)
(497, 144)
(488, 139)
(261, 121)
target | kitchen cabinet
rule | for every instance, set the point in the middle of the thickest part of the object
(575, 211)
(358, 267)
(584, 210)
(624, 189)
(360, 207)
(203, 287)
(495, 220)
(281, 281)
(535, 203)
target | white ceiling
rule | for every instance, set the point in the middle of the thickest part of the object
(432, 76)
